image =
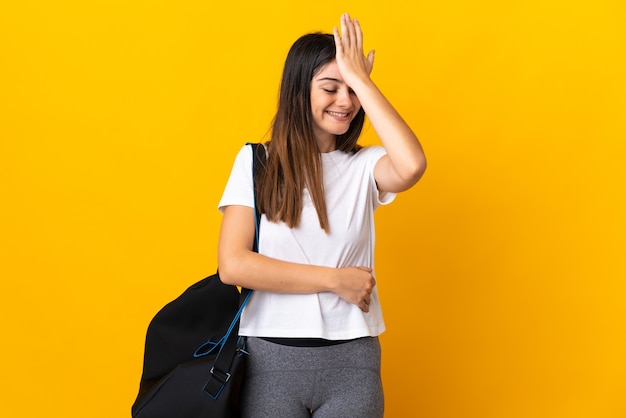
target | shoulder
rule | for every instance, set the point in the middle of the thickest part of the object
(243, 159)
(371, 152)
(361, 159)
(245, 152)
(370, 155)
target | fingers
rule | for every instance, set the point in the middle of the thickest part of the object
(358, 34)
(366, 299)
(370, 61)
(356, 285)
(365, 304)
(345, 35)
(351, 33)
(338, 43)
(349, 45)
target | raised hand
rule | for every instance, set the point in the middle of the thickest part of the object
(351, 61)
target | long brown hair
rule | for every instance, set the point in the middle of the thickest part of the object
(293, 160)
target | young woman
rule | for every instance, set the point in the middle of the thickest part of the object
(314, 318)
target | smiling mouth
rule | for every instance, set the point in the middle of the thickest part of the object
(338, 114)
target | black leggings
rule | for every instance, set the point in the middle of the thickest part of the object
(323, 382)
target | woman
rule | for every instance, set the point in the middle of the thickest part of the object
(314, 319)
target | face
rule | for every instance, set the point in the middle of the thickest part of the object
(333, 104)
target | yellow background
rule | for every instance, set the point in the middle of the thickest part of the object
(502, 272)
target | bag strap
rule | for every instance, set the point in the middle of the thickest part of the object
(220, 372)
(258, 161)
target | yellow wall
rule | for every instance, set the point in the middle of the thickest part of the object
(502, 273)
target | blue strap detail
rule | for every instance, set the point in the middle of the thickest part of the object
(210, 346)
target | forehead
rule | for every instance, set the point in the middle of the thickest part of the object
(327, 72)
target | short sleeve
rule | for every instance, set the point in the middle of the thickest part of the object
(374, 154)
(239, 187)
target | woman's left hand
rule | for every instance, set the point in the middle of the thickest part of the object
(351, 61)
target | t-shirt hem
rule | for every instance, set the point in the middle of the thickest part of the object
(282, 333)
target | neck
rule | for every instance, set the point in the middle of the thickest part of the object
(326, 144)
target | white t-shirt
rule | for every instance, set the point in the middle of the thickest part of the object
(351, 198)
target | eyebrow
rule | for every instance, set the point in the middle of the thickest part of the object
(330, 79)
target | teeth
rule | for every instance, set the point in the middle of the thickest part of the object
(337, 114)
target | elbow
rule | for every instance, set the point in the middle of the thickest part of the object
(400, 179)
(414, 173)
(227, 270)
(225, 277)
(418, 170)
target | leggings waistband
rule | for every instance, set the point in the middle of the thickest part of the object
(305, 342)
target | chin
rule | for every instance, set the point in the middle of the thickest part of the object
(340, 131)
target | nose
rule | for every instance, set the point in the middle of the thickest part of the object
(343, 98)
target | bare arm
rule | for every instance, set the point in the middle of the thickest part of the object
(239, 265)
(405, 162)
